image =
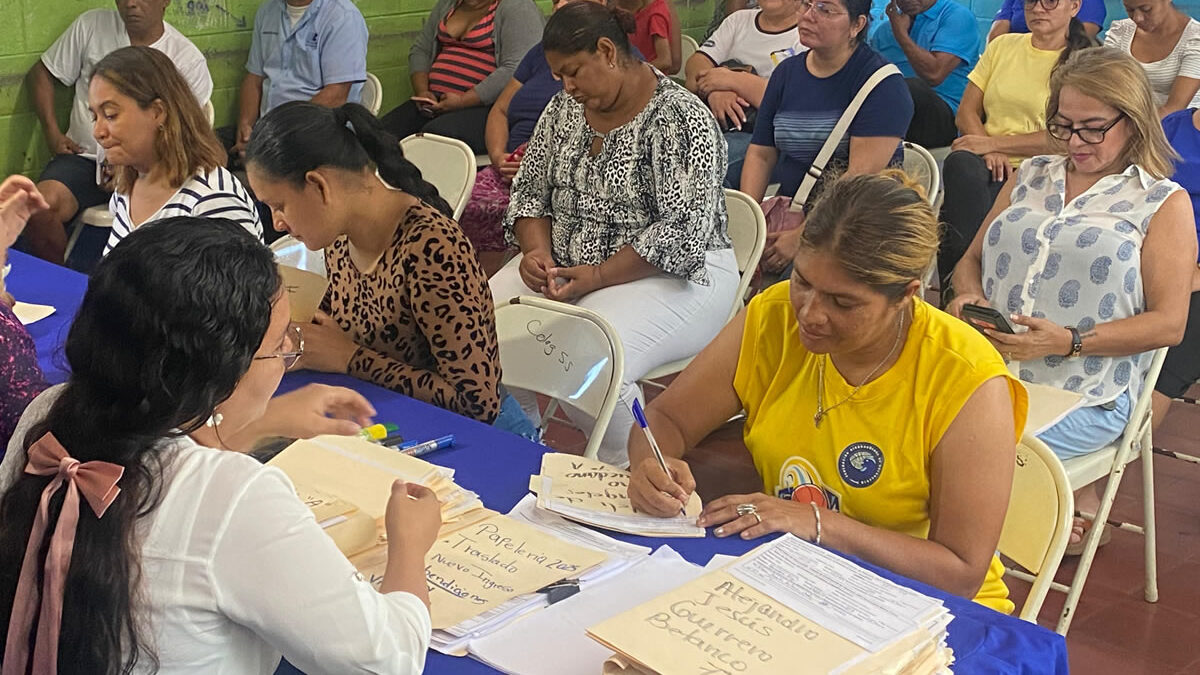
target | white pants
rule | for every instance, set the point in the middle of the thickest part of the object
(659, 319)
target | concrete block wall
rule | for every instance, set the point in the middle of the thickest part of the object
(222, 29)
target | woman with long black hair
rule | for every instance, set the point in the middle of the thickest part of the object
(408, 306)
(187, 559)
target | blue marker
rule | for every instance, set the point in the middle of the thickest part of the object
(418, 449)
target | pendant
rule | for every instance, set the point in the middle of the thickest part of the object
(817, 417)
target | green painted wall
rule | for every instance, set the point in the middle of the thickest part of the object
(221, 29)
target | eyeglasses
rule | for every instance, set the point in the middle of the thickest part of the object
(295, 340)
(824, 9)
(1089, 135)
(1047, 5)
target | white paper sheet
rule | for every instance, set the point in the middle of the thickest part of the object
(849, 600)
(28, 313)
(554, 640)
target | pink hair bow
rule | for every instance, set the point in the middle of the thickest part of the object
(98, 482)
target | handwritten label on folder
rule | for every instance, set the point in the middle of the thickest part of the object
(719, 625)
(596, 493)
(478, 567)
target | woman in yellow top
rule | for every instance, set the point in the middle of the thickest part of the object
(881, 426)
(1002, 118)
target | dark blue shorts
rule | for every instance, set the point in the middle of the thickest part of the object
(79, 175)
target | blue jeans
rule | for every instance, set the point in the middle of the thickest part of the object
(513, 419)
(1088, 429)
(739, 143)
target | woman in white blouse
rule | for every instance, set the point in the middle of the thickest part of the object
(206, 561)
(1166, 42)
(618, 205)
(166, 158)
(1092, 251)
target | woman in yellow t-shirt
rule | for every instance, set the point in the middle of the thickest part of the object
(1002, 118)
(881, 426)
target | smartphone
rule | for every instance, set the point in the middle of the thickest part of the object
(518, 153)
(986, 318)
(425, 105)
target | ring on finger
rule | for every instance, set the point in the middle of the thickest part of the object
(757, 517)
(747, 510)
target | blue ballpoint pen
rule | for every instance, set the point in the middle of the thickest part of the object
(640, 416)
(418, 449)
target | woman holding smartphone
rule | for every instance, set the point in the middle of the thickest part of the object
(1091, 250)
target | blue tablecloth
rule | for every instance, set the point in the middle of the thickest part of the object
(497, 466)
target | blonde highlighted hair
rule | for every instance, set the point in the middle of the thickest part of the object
(879, 227)
(185, 143)
(1114, 78)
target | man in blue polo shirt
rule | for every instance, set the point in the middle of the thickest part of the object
(935, 43)
(302, 50)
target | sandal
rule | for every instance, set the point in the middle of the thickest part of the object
(1079, 532)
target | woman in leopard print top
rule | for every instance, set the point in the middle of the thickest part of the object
(408, 307)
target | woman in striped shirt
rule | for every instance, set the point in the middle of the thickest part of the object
(460, 62)
(166, 159)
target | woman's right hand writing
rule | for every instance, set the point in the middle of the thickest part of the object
(535, 269)
(654, 492)
(413, 518)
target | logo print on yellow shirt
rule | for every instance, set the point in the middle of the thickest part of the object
(860, 464)
(799, 481)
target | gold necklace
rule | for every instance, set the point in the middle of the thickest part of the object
(822, 411)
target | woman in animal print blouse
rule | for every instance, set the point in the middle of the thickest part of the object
(618, 204)
(408, 307)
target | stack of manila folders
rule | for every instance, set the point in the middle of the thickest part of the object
(484, 570)
(787, 606)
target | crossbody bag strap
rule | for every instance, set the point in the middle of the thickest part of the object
(839, 131)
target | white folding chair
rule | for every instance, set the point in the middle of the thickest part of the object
(1110, 463)
(94, 216)
(687, 47)
(1038, 523)
(748, 230)
(565, 352)
(210, 113)
(923, 168)
(372, 94)
(290, 252)
(920, 165)
(447, 163)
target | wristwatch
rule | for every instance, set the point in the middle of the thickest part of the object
(1076, 343)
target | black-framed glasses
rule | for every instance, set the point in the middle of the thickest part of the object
(1089, 135)
(294, 341)
(825, 9)
(1047, 5)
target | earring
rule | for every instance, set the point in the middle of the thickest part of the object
(612, 65)
(213, 420)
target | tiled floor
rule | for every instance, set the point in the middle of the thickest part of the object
(1115, 630)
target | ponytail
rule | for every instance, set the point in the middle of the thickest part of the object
(300, 136)
(1077, 38)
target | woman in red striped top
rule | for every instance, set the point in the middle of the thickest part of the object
(464, 56)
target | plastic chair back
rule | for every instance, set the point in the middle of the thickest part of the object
(923, 168)
(447, 163)
(564, 352)
(372, 94)
(687, 47)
